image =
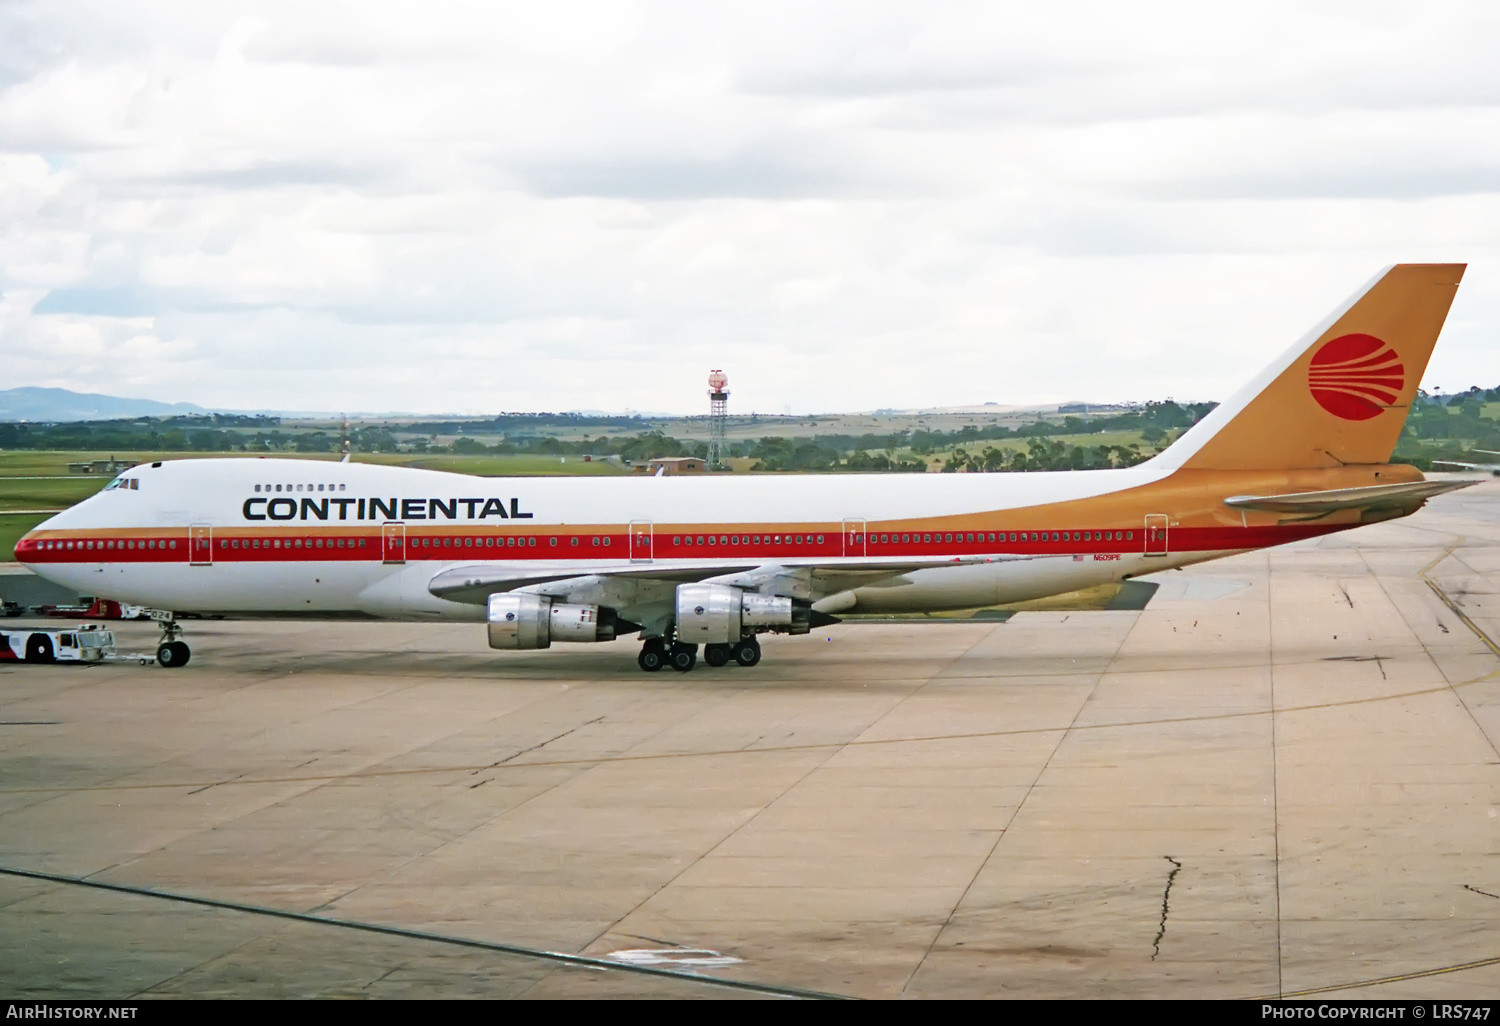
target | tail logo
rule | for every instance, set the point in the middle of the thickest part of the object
(1356, 377)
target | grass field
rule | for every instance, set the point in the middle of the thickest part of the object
(47, 492)
(11, 529)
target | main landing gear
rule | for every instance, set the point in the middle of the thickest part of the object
(655, 654)
(171, 650)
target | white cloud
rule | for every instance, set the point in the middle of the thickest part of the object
(446, 207)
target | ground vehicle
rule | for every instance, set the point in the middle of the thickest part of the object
(86, 643)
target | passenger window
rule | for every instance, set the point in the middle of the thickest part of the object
(257, 488)
(531, 542)
(573, 540)
(1129, 535)
(596, 542)
(820, 539)
(606, 541)
(552, 542)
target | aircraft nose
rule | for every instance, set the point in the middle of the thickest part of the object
(28, 544)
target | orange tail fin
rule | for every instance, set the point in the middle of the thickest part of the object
(1341, 394)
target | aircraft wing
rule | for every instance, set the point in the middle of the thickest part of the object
(475, 584)
(1411, 493)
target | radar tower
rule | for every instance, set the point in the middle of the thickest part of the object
(718, 415)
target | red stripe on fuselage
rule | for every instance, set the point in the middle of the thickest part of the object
(270, 545)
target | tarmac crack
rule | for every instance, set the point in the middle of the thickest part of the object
(1487, 894)
(536, 747)
(1166, 897)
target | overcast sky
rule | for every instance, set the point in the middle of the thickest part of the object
(549, 206)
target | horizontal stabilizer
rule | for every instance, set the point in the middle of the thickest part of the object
(1412, 493)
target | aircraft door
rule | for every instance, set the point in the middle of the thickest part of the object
(642, 541)
(393, 542)
(1156, 534)
(201, 545)
(854, 536)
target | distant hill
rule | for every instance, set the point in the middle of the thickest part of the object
(60, 404)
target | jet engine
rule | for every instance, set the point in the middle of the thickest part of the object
(721, 614)
(518, 620)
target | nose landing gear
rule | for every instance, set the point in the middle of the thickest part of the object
(171, 651)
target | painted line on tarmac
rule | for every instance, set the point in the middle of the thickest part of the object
(560, 957)
(1421, 974)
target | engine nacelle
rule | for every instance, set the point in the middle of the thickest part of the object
(712, 614)
(520, 620)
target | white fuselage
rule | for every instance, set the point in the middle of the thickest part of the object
(277, 537)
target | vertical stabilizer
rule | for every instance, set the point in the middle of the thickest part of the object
(1341, 394)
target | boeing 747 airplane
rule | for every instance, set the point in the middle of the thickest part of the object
(1301, 451)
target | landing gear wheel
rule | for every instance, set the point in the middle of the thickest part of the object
(653, 656)
(683, 657)
(747, 652)
(39, 649)
(172, 655)
(716, 655)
